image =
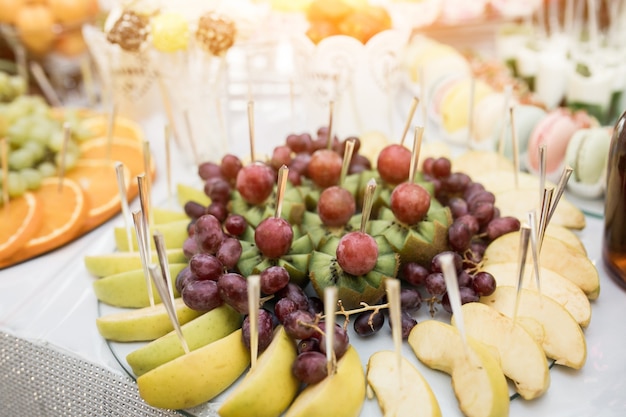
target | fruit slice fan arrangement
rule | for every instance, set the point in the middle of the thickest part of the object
(230, 230)
(61, 201)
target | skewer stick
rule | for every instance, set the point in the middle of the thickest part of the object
(417, 144)
(515, 147)
(330, 306)
(143, 253)
(392, 287)
(560, 189)
(146, 214)
(409, 119)
(251, 129)
(542, 168)
(121, 188)
(452, 287)
(329, 141)
(4, 160)
(280, 192)
(159, 282)
(546, 203)
(534, 247)
(367, 203)
(254, 291)
(347, 158)
(67, 133)
(44, 84)
(523, 252)
(161, 250)
(191, 137)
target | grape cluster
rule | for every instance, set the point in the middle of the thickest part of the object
(35, 140)
(11, 86)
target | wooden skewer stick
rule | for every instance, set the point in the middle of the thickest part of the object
(329, 140)
(523, 253)
(251, 129)
(409, 119)
(347, 158)
(330, 307)
(368, 200)
(4, 160)
(542, 168)
(146, 214)
(159, 283)
(417, 145)
(67, 133)
(546, 203)
(534, 247)
(161, 250)
(392, 287)
(44, 84)
(280, 192)
(254, 291)
(143, 253)
(452, 287)
(121, 189)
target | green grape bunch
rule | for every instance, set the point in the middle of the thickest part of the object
(11, 86)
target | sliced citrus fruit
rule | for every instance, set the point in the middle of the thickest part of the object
(64, 211)
(20, 219)
(127, 151)
(97, 179)
(124, 127)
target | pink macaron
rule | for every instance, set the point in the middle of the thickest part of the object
(555, 131)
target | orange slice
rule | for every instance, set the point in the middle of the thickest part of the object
(63, 213)
(20, 220)
(97, 179)
(124, 127)
(127, 151)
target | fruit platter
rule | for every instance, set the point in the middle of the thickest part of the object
(241, 223)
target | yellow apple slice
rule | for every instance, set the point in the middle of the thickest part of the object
(555, 255)
(205, 329)
(142, 324)
(406, 394)
(174, 233)
(339, 395)
(252, 396)
(553, 285)
(162, 215)
(518, 202)
(129, 290)
(187, 193)
(196, 377)
(478, 381)
(562, 338)
(522, 358)
(118, 262)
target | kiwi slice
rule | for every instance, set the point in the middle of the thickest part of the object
(293, 207)
(319, 232)
(324, 271)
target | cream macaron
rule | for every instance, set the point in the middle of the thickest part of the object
(587, 153)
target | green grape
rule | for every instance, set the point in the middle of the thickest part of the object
(17, 184)
(55, 141)
(47, 169)
(18, 84)
(19, 131)
(41, 128)
(71, 158)
(38, 150)
(17, 109)
(21, 158)
(32, 177)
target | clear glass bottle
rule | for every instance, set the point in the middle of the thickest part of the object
(614, 244)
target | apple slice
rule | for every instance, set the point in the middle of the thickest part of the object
(129, 290)
(339, 395)
(163, 215)
(252, 396)
(410, 396)
(205, 329)
(476, 162)
(504, 180)
(553, 285)
(555, 255)
(562, 338)
(185, 193)
(174, 233)
(118, 262)
(518, 202)
(566, 236)
(522, 358)
(197, 376)
(143, 324)
(478, 381)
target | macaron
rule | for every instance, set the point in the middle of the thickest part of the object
(555, 131)
(587, 153)
(525, 118)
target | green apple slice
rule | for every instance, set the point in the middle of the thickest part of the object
(118, 262)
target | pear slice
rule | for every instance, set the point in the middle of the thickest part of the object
(186, 192)
(196, 377)
(522, 358)
(163, 215)
(339, 395)
(129, 290)
(118, 262)
(478, 381)
(566, 236)
(413, 398)
(252, 396)
(553, 285)
(502, 180)
(517, 202)
(205, 329)
(563, 339)
(174, 233)
(142, 324)
(555, 255)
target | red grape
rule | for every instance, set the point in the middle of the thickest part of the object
(208, 233)
(394, 163)
(410, 202)
(295, 293)
(208, 170)
(324, 168)
(229, 252)
(310, 367)
(311, 344)
(341, 341)
(368, 323)
(235, 224)
(265, 326)
(206, 266)
(273, 279)
(283, 308)
(233, 289)
(281, 155)
(194, 210)
(255, 182)
(501, 226)
(273, 237)
(441, 167)
(414, 273)
(218, 189)
(182, 278)
(484, 283)
(231, 164)
(336, 206)
(435, 283)
(297, 324)
(201, 295)
(410, 299)
(357, 253)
